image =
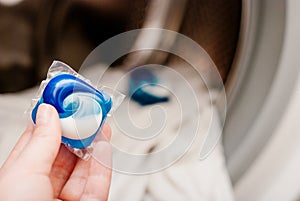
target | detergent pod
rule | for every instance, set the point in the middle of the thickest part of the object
(82, 108)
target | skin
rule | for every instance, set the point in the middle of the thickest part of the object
(40, 168)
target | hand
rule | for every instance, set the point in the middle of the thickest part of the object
(40, 168)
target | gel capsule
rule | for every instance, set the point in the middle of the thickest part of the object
(82, 109)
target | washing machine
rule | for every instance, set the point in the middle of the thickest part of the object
(261, 134)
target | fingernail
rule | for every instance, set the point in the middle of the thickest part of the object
(102, 153)
(43, 114)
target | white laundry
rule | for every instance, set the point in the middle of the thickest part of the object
(186, 179)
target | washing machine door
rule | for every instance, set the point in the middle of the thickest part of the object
(261, 129)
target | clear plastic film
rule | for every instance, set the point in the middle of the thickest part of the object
(82, 107)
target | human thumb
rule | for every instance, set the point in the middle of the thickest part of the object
(40, 153)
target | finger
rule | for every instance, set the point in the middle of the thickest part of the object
(41, 150)
(18, 148)
(99, 178)
(104, 134)
(106, 131)
(62, 169)
(74, 187)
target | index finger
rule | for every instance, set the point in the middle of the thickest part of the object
(104, 134)
(99, 175)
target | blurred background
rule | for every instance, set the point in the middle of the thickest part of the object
(35, 32)
(254, 44)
